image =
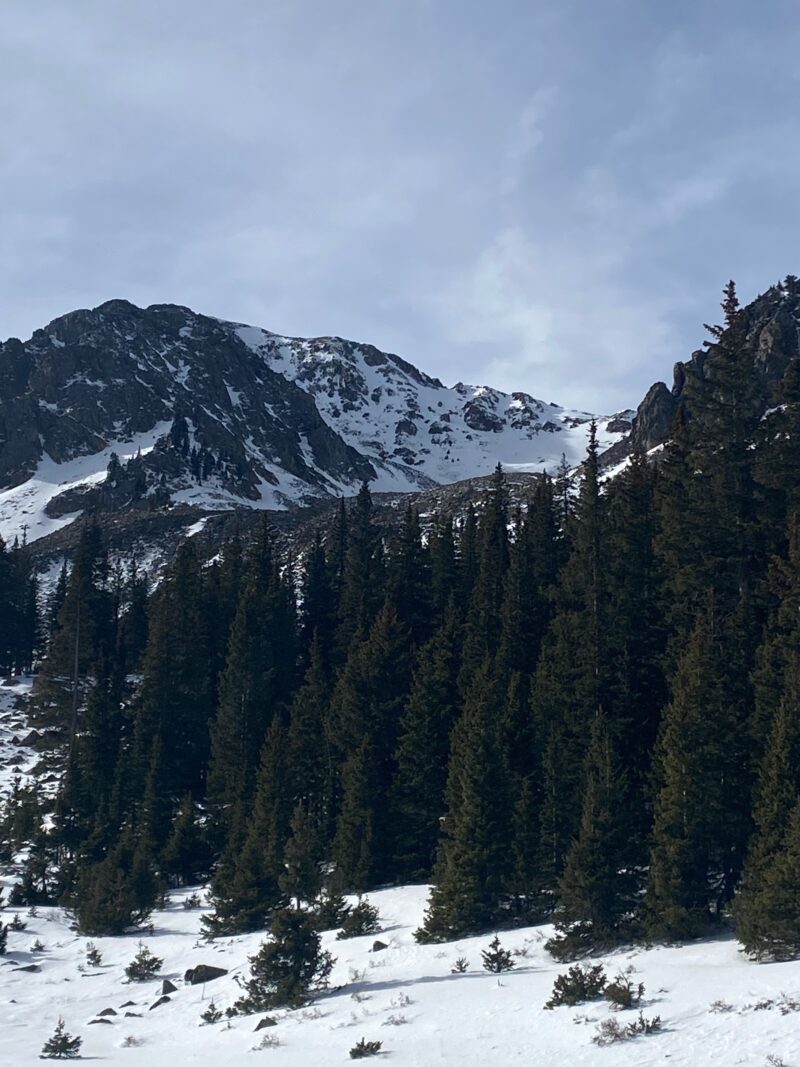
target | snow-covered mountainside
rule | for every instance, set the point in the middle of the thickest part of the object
(220, 415)
(715, 1007)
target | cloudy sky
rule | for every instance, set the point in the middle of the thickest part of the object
(540, 196)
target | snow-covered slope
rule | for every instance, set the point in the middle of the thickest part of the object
(715, 1007)
(220, 415)
(402, 418)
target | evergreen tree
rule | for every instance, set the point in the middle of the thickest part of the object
(245, 886)
(596, 889)
(176, 693)
(301, 879)
(471, 877)
(62, 1045)
(289, 968)
(423, 748)
(769, 927)
(699, 827)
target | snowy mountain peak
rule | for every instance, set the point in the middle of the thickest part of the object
(219, 415)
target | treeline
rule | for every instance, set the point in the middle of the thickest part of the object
(585, 709)
(21, 627)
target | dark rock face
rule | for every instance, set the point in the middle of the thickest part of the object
(93, 378)
(265, 1023)
(203, 972)
(158, 1003)
(773, 338)
(168, 987)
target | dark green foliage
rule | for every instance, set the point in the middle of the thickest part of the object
(496, 959)
(364, 1048)
(144, 965)
(186, 856)
(622, 993)
(579, 984)
(596, 889)
(211, 1014)
(360, 920)
(768, 920)
(330, 910)
(700, 825)
(418, 793)
(289, 968)
(62, 1045)
(245, 886)
(94, 957)
(115, 893)
(301, 878)
(470, 881)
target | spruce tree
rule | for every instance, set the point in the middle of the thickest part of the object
(470, 890)
(422, 752)
(700, 806)
(62, 1045)
(769, 926)
(245, 886)
(288, 968)
(596, 890)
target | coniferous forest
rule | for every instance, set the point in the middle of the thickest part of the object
(583, 710)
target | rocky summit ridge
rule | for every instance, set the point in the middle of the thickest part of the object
(122, 407)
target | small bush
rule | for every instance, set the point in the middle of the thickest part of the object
(144, 965)
(212, 1014)
(192, 902)
(37, 946)
(364, 1049)
(461, 966)
(16, 923)
(496, 959)
(395, 1020)
(622, 993)
(610, 1030)
(360, 920)
(132, 1042)
(579, 984)
(61, 1046)
(267, 1041)
(94, 957)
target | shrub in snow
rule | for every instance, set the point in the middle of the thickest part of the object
(94, 957)
(267, 1041)
(622, 993)
(144, 965)
(361, 919)
(496, 959)
(365, 1048)
(460, 966)
(37, 946)
(212, 1014)
(578, 985)
(61, 1046)
(610, 1030)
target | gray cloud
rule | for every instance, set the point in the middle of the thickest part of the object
(544, 198)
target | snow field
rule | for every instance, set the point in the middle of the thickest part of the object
(404, 996)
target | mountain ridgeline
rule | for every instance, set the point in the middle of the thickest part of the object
(123, 408)
(582, 707)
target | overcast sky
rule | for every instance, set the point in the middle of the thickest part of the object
(538, 196)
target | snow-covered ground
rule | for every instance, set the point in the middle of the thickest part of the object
(716, 1007)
